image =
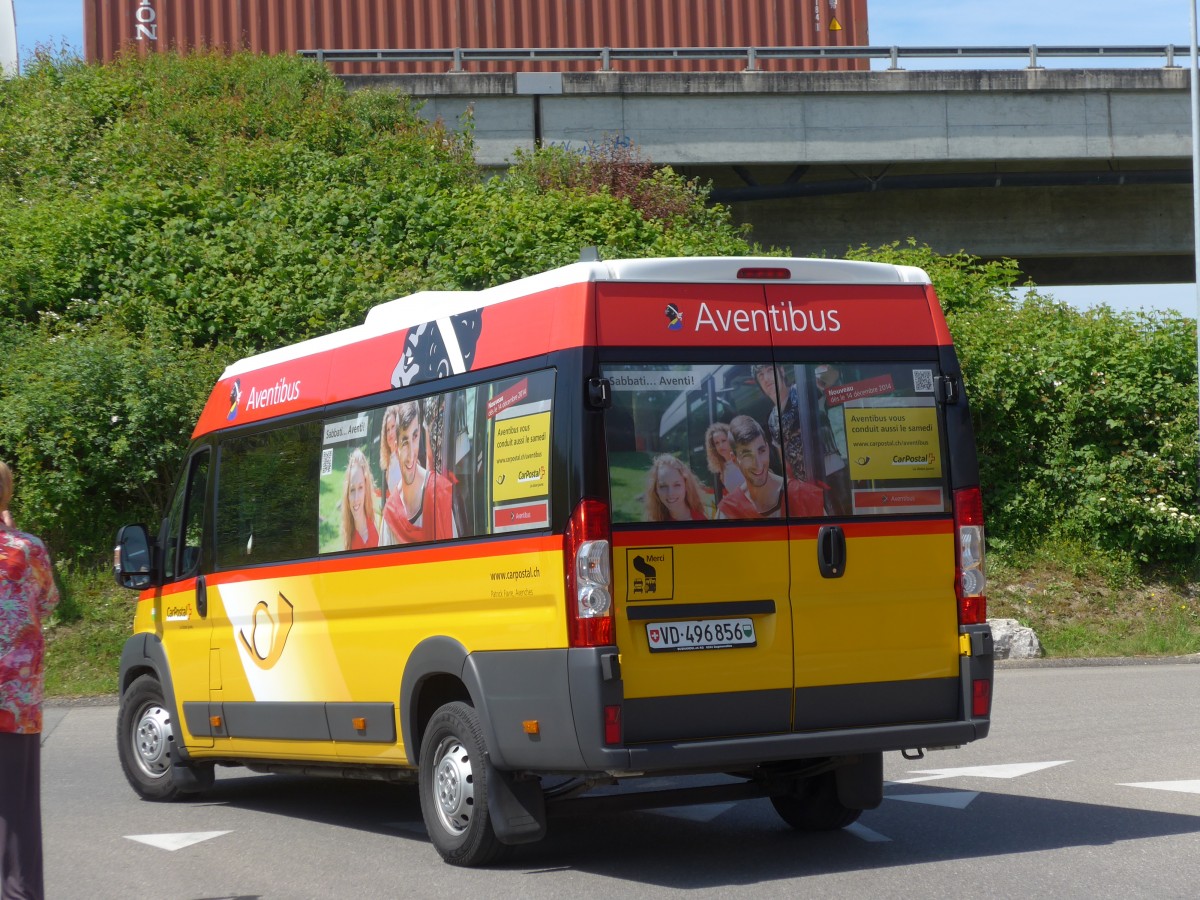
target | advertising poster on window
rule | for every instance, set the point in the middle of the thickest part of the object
(351, 499)
(385, 478)
(890, 443)
(695, 443)
(519, 417)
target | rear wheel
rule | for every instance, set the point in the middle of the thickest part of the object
(814, 805)
(454, 781)
(146, 744)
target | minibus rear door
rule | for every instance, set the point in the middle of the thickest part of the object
(701, 582)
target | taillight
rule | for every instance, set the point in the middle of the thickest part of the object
(970, 583)
(981, 698)
(612, 724)
(589, 576)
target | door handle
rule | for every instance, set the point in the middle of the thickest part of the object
(831, 551)
(201, 597)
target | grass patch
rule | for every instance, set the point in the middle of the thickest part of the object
(1081, 604)
(86, 633)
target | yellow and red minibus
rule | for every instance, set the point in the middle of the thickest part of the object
(625, 518)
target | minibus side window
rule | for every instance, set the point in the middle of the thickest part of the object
(185, 527)
(267, 487)
(452, 464)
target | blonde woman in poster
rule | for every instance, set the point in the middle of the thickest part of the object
(672, 492)
(389, 461)
(358, 504)
(718, 448)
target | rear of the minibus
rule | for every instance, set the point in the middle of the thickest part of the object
(796, 522)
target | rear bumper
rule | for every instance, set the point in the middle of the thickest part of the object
(566, 691)
(748, 751)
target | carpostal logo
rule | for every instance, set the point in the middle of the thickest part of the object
(780, 317)
(908, 459)
(283, 392)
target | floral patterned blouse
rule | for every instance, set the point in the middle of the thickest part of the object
(27, 597)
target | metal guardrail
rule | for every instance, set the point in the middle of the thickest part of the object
(605, 57)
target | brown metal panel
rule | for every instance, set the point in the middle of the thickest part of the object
(285, 26)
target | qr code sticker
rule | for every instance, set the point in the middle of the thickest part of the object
(326, 462)
(923, 381)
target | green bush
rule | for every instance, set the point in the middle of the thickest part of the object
(1086, 422)
(161, 217)
(94, 421)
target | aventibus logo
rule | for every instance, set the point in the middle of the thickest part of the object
(780, 317)
(674, 318)
(283, 392)
(235, 399)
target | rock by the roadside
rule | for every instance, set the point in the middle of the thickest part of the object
(1012, 640)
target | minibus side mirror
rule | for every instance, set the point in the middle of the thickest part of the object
(133, 558)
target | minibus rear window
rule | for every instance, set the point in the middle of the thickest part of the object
(703, 442)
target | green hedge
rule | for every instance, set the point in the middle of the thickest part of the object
(1086, 422)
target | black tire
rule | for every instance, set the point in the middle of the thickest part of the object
(146, 745)
(454, 781)
(814, 805)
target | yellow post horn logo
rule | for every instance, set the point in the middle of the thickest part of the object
(268, 633)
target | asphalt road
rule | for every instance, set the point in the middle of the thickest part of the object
(1089, 786)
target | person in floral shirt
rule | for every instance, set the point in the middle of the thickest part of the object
(27, 597)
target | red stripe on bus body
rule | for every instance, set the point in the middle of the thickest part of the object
(392, 557)
(733, 535)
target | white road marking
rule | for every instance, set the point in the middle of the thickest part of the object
(173, 842)
(916, 780)
(1009, 770)
(704, 813)
(1186, 787)
(951, 799)
(862, 832)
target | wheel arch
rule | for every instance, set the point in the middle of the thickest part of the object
(439, 671)
(143, 654)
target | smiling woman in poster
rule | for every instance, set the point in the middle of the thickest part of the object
(389, 458)
(27, 597)
(672, 492)
(358, 504)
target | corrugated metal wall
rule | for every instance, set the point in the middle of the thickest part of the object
(285, 26)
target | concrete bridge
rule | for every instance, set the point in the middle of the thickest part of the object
(1083, 175)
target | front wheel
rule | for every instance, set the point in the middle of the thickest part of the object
(814, 805)
(453, 781)
(146, 744)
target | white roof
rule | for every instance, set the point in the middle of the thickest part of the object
(427, 306)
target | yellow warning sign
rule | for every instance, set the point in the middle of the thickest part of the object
(835, 25)
(649, 573)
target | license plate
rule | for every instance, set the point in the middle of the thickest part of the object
(702, 634)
